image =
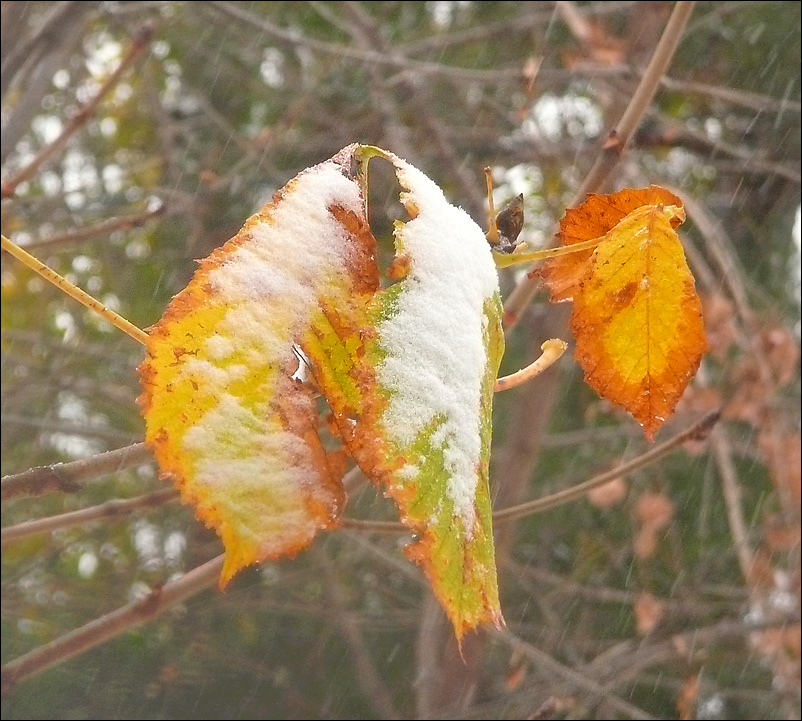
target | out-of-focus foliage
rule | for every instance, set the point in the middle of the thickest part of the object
(639, 590)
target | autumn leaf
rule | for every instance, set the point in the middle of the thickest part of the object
(441, 341)
(648, 612)
(407, 372)
(592, 220)
(225, 417)
(654, 511)
(636, 318)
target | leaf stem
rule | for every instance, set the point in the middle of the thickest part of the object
(505, 260)
(552, 352)
(492, 227)
(74, 292)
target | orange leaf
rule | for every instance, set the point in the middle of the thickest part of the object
(648, 611)
(686, 701)
(637, 319)
(594, 218)
(608, 495)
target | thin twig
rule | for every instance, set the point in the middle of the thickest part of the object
(294, 38)
(81, 117)
(106, 227)
(53, 23)
(543, 660)
(76, 428)
(641, 98)
(74, 291)
(112, 624)
(731, 490)
(69, 477)
(373, 686)
(110, 509)
(367, 526)
(698, 430)
(619, 139)
(753, 101)
(628, 659)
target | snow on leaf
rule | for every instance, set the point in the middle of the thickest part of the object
(224, 415)
(440, 337)
(407, 372)
(636, 318)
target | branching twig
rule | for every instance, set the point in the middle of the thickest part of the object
(294, 38)
(110, 509)
(575, 678)
(81, 117)
(106, 227)
(69, 477)
(641, 99)
(53, 23)
(112, 624)
(619, 138)
(697, 431)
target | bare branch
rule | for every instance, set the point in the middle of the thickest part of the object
(753, 101)
(114, 508)
(731, 490)
(374, 689)
(76, 428)
(106, 227)
(294, 38)
(81, 117)
(697, 431)
(50, 29)
(69, 477)
(112, 624)
(575, 678)
(619, 138)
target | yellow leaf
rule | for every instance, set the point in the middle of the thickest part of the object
(593, 219)
(224, 415)
(407, 372)
(637, 318)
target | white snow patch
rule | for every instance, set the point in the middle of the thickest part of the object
(245, 460)
(294, 253)
(436, 355)
(408, 472)
(219, 347)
